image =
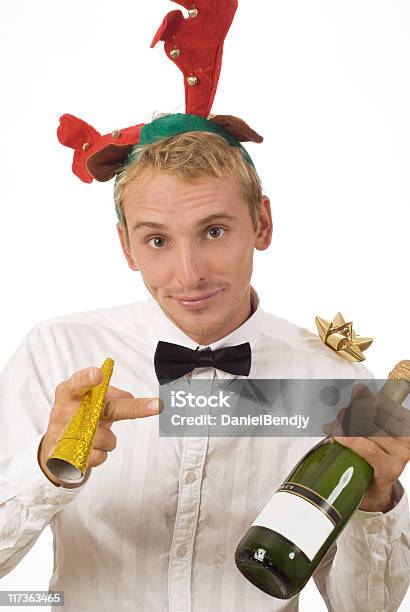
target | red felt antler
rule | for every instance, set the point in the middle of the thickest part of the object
(96, 156)
(80, 136)
(195, 45)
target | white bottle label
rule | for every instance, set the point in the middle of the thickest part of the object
(298, 520)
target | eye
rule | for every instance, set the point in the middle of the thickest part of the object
(159, 241)
(218, 230)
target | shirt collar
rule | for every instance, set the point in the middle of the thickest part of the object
(162, 328)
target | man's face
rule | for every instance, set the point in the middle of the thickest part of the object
(183, 254)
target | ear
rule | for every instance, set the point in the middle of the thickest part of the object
(238, 128)
(264, 235)
(126, 249)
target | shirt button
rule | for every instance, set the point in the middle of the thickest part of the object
(182, 551)
(191, 476)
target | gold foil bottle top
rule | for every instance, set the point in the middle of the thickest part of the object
(401, 371)
(397, 386)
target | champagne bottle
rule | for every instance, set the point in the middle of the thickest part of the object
(306, 514)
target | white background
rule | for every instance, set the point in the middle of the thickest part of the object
(326, 83)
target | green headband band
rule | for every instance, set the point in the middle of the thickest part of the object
(171, 125)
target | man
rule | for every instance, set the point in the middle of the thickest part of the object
(156, 526)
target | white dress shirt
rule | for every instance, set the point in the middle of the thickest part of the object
(154, 528)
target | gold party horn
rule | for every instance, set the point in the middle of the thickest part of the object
(69, 457)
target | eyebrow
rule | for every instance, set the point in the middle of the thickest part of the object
(154, 225)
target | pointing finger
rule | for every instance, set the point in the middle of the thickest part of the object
(114, 392)
(119, 409)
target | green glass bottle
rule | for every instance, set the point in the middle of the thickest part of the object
(305, 515)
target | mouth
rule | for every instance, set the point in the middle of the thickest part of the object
(196, 302)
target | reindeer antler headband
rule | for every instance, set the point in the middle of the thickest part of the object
(195, 45)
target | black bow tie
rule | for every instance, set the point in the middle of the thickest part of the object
(173, 361)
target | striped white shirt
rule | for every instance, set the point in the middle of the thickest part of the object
(154, 528)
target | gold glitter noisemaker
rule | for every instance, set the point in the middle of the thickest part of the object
(69, 457)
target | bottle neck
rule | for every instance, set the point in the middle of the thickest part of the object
(396, 389)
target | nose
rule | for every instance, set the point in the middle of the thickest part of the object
(190, 266)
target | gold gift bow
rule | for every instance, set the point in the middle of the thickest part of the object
(341, 337)
(69, 457)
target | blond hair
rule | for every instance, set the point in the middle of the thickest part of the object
(189, 156)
